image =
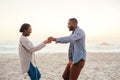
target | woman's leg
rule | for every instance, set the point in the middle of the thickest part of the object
(32, 72)
(38, 73)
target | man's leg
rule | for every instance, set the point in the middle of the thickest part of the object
(66, 73)
(76, 69)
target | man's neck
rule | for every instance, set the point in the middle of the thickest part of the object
(74, 29)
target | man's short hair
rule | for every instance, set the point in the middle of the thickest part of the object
(74, 20)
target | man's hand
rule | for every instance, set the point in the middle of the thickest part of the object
(51, 39)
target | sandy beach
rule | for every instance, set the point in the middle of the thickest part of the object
(99, 66)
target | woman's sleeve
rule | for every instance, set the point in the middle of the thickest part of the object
(31, 48)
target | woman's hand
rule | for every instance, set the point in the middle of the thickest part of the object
(47, 41)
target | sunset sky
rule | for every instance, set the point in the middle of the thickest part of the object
(98, 18)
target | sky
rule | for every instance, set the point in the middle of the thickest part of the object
(98, 18)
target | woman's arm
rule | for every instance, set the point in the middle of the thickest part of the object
(30, 47)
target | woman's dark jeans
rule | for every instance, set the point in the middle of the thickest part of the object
(34, 73)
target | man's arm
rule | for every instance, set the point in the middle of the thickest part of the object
(77, 35)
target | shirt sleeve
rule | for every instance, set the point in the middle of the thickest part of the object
(75, 36)
(30, 47)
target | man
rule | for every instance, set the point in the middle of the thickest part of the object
(77, 52)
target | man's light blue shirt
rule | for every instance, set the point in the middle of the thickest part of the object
(77, 49)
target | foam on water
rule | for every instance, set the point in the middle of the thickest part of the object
(93, 46)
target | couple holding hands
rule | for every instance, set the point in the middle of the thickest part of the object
(76, 52)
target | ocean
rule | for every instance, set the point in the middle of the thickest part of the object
(11, 47)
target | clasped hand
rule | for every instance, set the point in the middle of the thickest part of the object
(49, 40)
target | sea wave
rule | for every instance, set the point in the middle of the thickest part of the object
(63, 48)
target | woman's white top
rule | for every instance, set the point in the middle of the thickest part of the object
(26, 49)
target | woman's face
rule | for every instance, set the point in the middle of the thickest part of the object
(28, 31)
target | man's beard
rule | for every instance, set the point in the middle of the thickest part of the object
(71, 28)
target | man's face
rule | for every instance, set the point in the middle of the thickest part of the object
(28, 31)
(71, 25)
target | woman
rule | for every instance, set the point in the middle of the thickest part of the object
(26, 49)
